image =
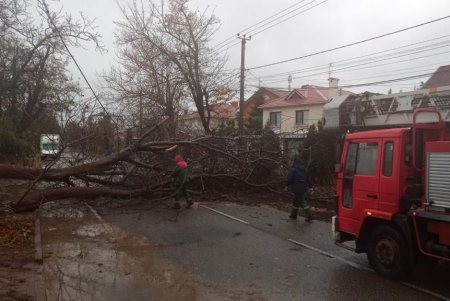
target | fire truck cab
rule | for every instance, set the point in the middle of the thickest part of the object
(393, 185)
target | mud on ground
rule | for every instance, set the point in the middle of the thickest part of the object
(20, 274)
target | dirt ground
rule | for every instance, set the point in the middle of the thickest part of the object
(20, 274)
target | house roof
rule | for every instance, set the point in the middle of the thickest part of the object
(277, 92)
(306, 95)
(218, 110)
(441, 77)
(262, 95)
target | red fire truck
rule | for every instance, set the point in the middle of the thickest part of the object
(393, 182)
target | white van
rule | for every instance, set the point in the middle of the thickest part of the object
(50, 144)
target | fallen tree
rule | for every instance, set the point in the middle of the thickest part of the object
(143, 170)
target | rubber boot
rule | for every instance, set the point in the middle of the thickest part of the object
(294, 213)
(189, 204)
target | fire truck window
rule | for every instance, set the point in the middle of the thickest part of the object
(350, 161)
(350, 165)
(388, 158)
(408, 153)
(366, 163)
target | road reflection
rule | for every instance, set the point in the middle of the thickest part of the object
(87, 260)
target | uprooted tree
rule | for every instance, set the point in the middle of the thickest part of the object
(143, 170)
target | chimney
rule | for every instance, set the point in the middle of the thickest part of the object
(333, 87)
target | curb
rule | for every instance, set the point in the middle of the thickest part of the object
(38, 256)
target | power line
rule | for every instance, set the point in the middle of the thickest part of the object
(47, 11)
(355, 69)
(231, 44)
(370, 61)
(394, 72)
(282, 21)
(351, 44)
(351, 68)
(284, 15)
(387, 81)
(408, 60)
(258, 23)
(379, 83)
(337, 63)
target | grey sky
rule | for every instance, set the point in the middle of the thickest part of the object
(330, 24)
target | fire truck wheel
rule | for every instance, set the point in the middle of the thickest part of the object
(387, 253)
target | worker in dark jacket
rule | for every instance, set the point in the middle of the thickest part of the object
(298, 182)
(180, 179)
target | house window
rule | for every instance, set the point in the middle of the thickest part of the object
(302, 117)
(275, 119)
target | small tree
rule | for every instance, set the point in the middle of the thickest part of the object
(255, 121)
(318, 152)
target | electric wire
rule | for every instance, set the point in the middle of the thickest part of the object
(387, 81)
(352, 44)
(385, 64)
(290, 17)
(47, 11)
(231, 44)
(352, 67)
(346, 69)
(337, 63)
(260, 22)
(274, 20)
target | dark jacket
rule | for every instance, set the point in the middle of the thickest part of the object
(298, 179)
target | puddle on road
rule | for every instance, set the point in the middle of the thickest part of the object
(85, 260)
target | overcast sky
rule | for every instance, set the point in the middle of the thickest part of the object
(327, 24)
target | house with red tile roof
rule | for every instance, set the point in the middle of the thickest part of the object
(220, 114)
(297, 111)
(261, 96)
(292, 115)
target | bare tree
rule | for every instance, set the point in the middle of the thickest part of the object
(146, 84)
(34, 80)
(181, 36)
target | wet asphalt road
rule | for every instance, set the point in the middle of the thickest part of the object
(198, 254)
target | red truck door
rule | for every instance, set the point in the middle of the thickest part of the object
(360, 183)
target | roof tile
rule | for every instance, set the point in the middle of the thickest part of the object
(307, 94)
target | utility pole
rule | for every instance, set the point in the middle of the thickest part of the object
(244, 39)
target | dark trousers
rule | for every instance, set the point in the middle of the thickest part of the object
(299, 201)
(182, 192)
